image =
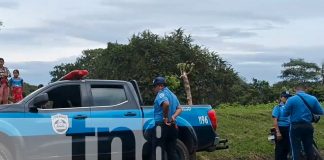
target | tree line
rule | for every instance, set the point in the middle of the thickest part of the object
(212, 79)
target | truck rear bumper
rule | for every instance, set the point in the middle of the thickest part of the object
(219, 144)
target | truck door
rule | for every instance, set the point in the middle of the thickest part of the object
(118, 120)
(58, 127)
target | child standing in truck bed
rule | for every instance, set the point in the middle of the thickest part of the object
(16, 85)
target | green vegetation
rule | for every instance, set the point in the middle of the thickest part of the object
(247, 128)
(212, 81)
(148, 55)
(28, 88)
(297, 70)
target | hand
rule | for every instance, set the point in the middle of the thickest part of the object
(166, 121)
(173, 118)
(4, 75)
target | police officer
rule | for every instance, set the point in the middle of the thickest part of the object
(281, 124)
(166, 110)
(301, 129)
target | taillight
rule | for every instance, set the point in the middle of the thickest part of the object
(213, 118)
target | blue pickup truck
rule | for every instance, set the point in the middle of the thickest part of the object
(96, 119)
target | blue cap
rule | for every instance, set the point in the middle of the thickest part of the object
(159, 80)
(285, 94)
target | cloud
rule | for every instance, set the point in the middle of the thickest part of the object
(223, 33)
(37, 72)
(117, 20)
(33, 72)
(275, 55)
(248, 34)
(236, 33)
(269, 73)
(194, 10)
(267, 65)
(8, 4)
(256, 63)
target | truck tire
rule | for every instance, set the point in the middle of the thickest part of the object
(182, 151)
(5, 154)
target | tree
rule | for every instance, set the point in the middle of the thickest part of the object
(322, 73)
(61, 70)
(87, 61)
(185, 70)
(173, 82)
(262, 91)
(299, 71)
(28, 88)
(148, 55)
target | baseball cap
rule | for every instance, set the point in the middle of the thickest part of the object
(159, 80)
(285, 94)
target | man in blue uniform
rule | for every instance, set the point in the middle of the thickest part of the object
(166, 110)
(282, 125)
(301, 129)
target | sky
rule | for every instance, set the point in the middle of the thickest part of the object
(254, 36)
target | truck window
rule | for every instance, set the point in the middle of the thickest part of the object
(67, 96)
(107, 95)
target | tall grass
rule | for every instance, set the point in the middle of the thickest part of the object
(247, 128)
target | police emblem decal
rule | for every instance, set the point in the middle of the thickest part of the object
(60, 123)
(161, 95)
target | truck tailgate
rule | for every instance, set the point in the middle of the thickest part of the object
(195, 116)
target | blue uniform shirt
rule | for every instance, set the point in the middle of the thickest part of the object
(16, 82)
(297, 109)
(165, 95)
(277, 112)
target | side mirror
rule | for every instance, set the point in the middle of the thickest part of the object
(39, 100)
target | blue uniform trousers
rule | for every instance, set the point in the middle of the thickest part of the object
(283, 146)
(167, 140)
(301, 135)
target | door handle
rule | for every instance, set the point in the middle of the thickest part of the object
(130, 114)
(79, 117)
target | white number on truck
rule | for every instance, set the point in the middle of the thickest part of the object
(203, 119)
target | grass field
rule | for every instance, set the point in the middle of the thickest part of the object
(247, 130)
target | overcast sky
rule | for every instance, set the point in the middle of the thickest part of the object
(254, 36)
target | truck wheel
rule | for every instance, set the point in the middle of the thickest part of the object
(5, 153)
(182, 151)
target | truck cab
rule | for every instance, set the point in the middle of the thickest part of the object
(77, 118)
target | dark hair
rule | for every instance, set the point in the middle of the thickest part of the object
(16, 70)
(40, 86)
(285, 94)
(1, 59)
